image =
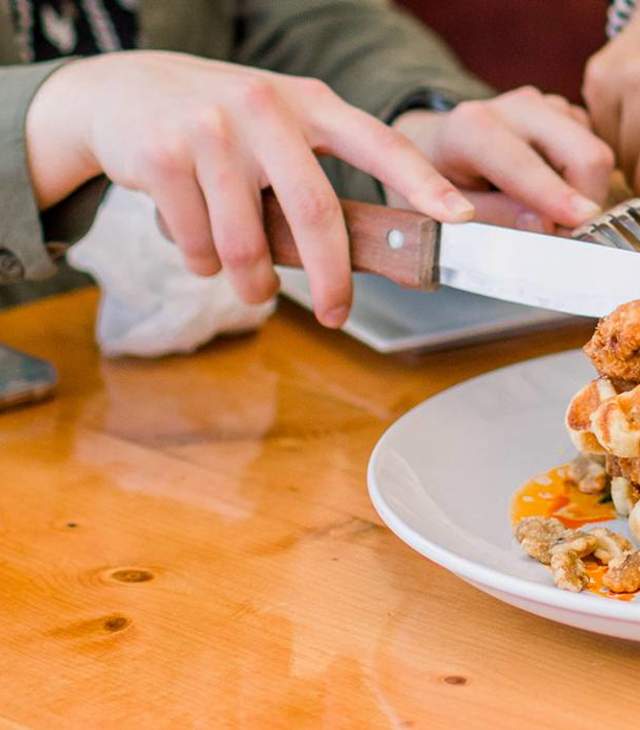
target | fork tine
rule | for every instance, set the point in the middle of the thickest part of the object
(618, 227)
(629, 228)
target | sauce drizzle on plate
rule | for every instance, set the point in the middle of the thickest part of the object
(553, 494)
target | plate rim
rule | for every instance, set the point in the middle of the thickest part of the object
(472, 570)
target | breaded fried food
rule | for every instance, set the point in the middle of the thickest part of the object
(616, 424)
(614, 348)
(627, 468)
(580, 411)
(538, 535)
(589, 474)
(569, 572)
(610, 545)
(623, 574)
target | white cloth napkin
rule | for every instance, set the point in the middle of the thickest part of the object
(150, 304)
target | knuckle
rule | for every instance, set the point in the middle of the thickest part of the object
(558, 101)
(598, 159)
(472, 113)
(527, 92)
(315, 209)
(163, 156)
(522, 94)
(595, 74)
(211, 124)
(258, 94)
(606, 158)
(316, 87)
(242, 254)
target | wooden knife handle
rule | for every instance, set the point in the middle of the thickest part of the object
(401, 245)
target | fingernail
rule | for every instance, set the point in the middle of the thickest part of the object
(458, 206)
(335, 317)
(584, 208)
(530, 222)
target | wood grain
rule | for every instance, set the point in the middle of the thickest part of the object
(188, 543)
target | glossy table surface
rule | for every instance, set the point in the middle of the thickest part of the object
(188, 543)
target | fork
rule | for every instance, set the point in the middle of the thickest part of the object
(618, 227)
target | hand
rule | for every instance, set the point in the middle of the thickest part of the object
(202, 138)
(549, 170)
(611, 89)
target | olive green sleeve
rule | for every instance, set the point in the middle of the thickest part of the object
(371, 54)
(24, 233)
(20, 227)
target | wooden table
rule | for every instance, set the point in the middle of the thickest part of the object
(188, 543)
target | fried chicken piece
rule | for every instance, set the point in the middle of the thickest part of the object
(615, 346)
(568, 571)
(610, 545)
(589, 473)
(581, 408)
(623, 575)
(616, 424)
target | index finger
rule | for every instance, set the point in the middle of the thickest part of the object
(366, 143)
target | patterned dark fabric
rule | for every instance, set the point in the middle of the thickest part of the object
(48, 29)
(620, 12)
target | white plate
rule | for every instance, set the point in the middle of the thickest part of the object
(442, 478)
(388, 318)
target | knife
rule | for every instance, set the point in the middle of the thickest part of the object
(563, 274)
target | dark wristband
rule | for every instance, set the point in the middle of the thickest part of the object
(425, 98)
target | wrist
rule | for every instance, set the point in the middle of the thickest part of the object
(58, 149)
(419, 125)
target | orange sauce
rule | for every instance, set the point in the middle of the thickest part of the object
(554, 495)
(596, 571)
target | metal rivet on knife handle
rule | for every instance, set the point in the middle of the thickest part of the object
(395, 238)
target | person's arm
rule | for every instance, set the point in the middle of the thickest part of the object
(202, 138)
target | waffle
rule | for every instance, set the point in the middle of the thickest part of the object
(581, 409)
(616, 424)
